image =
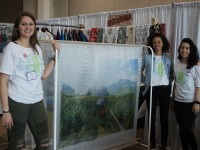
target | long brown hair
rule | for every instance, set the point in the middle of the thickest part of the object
(16, 35)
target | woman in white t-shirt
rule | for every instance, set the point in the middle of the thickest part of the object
(22, 70)
(161, 85)
(186, 93)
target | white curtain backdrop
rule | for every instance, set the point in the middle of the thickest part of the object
(94, 20)
(186, 24)
(162, 14)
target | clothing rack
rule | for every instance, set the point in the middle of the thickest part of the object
(61, 25)
(3, 27)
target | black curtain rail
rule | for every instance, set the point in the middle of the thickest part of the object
(60, 25)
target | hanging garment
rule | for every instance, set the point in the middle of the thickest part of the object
(145, 34)
(49, 34)
(5, 38)
(62, 35)
(110, 35)
(40, 35)
(58, 35)
(86, 32)
(154, 29)
(130, 35)
(141, 34)
(1, 37)
(44, 35)
(82, 36)
(68, 35)
(100, 35)
(121, 39)
(162, 28)
(75, 36)
(93, 35)
(65, 34)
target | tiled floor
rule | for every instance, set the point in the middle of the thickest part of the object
(3, 140)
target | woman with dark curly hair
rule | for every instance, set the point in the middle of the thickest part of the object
(186, 93)
(161, 84)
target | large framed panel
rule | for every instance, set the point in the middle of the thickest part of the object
(97, 93)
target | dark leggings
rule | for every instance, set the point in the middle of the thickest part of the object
(35, 116)
(185, 119)
(161, 96)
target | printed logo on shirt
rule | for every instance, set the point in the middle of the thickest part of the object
(35, 63)
(180, 77)
(159, 68)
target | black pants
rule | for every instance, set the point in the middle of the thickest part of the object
(35, 116)
(141, 121)
(161, 96)
(185, 118)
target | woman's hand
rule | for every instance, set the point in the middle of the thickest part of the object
(49, 67)
(196, 108)
(56, 46)
(7, 120)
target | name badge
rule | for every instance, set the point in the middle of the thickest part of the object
(31, 75)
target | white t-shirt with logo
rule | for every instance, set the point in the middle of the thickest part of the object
(186, 82)
(159, 73)
(25, 69)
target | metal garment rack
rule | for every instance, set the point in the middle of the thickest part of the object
(60, 25)
(3, 27)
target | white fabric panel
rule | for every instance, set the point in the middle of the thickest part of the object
(94, 20)
(186, 24)
(90, 68)
(86, 66)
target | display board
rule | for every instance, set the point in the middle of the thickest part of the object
(97, 94)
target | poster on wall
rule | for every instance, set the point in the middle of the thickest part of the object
(120, 20)
(98, 86)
